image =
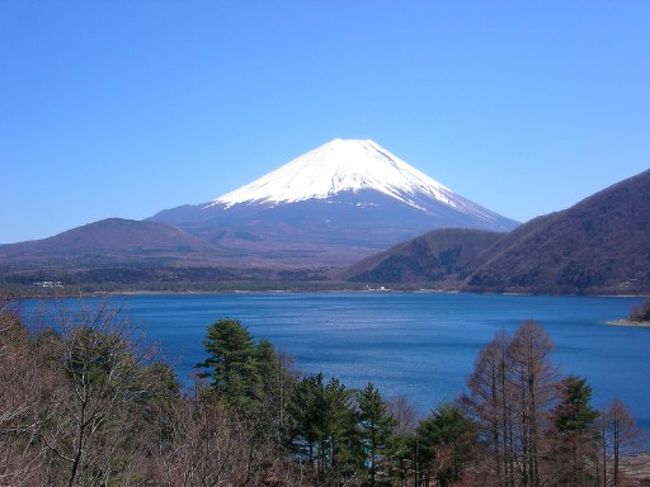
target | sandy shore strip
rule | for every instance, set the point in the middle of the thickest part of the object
(634, 324)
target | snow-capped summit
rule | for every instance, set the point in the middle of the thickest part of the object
(337, 166)
(331, 206)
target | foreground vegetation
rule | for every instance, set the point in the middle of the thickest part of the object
(84, 405)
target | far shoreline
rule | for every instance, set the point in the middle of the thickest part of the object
(333, 290)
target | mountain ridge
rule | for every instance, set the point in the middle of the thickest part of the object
(600, 244)
(438, 255)
(109, 241)
(603, 241)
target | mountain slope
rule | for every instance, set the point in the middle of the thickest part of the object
(106, 242)
(330, 206)
(600, 244)
(440, 255)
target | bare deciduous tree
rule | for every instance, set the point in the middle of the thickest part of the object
(534, 381)
(620, 434)
(492, 402)
(404, 413)
(90, 431)
(512, 388)
(207, 447)
(25, 390)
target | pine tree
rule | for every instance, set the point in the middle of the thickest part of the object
(324, 425)
(341, 439)
(446, 442)
(306, 411)
(376, 427)
(232, 364)
(574, 436)
(268, 370)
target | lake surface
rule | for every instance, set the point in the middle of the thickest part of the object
(422, 345)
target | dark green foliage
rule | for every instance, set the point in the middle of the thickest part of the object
(447, 441)
(574, 414)
(232, 364)
(307, 410)
(162, 392)
(574, 436)
(376, 427)
(165, 380)
(325, 431)
(252, 379)
(94, 356)
(266, 358)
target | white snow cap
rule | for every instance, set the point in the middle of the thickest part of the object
(341, 165)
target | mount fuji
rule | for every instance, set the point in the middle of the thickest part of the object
(329, 207)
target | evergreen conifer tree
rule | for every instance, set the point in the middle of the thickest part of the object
(232, 364)
(325, 430)
(446, 443)
(575, 439)
(376, 427)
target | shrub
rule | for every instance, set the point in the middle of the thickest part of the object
(641, 312)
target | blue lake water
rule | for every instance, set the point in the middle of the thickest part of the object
(419, 345)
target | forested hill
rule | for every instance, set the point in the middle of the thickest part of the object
(109, 242)
(601, 244)
(437, 256)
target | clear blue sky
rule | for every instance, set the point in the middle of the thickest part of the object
(124, 108)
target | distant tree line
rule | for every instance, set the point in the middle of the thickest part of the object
(84, 405)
